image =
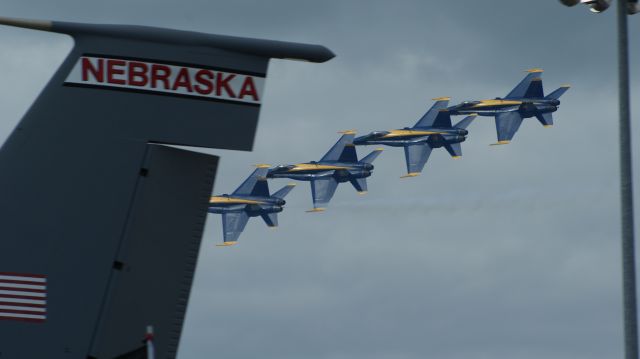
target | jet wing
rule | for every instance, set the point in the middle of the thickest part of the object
(233, 224)
(336, 151)
(416, 156)
(322, 191)
(521, 90)
(255, 184)
(507, 124)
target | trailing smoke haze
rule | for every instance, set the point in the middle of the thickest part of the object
(510, 252)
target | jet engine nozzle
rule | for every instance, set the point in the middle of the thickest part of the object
(554, 102)
(281, 202)
(368, 167)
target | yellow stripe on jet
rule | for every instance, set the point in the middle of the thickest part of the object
(485, 103)
(231, 200)
(398, 133)
(312, 167)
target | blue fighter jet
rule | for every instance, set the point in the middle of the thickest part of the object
(524, 101)
(339, 165)
(433, 130)
(251, 199)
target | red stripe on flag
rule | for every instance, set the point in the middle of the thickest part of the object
(21, 297)
(31, 320)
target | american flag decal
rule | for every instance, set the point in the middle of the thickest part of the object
(23, 297)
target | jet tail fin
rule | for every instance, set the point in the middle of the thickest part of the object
(464, 123)
(372, 156)
(557, 93)
(284, 191)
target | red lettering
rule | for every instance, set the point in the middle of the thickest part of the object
(137, 74)
(97, 73)
(160, 73)
(248, 89)
(223, 83)
(204, 84)
(183, 80)
(115, 67)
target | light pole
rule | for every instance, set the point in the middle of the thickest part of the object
(626, 185)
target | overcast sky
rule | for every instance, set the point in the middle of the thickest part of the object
(511, 252)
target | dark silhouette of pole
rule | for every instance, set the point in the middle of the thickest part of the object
(626, 191)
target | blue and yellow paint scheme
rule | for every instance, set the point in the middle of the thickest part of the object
(526, 100)
(433, 130)
(340, 164)
(251, 199)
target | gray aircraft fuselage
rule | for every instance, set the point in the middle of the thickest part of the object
(341, 171)
(435, 136)
(527, 107)
(253, 205)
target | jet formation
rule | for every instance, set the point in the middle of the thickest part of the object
(340, 164)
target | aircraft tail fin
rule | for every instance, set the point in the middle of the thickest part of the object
(429, 118)
(256, 183)
(530, 86)
(284, 191)
(338, 149)
(372, 156)
(464, 123)
(557, 93)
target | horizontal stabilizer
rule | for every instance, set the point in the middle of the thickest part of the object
(360, 184)
(464, 123)
(372, 156)
(454, 149)
(557, 93)
(546, 119)
(271, 219)
(284, 191)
